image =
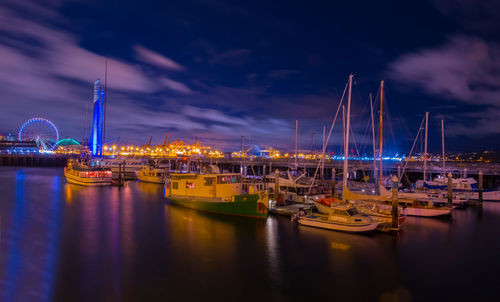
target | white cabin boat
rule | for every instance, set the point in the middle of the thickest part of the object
(88, 173)
(465, 185)
(295, 189)
(343, 217)
(152, 174)
(128, 166)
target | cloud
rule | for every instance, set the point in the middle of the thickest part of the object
(465, 69)
(177, 86)
(148, 56)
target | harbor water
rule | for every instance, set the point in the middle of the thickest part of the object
(62, 242)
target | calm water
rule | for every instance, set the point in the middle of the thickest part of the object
(62, 242)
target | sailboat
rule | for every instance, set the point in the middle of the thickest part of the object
(413, 204)
(343, 216)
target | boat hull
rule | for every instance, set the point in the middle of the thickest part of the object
(423, 212)
(244, 205)
(330, 225)
(89, 182)
(150, 179)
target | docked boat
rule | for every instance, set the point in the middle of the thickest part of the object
(296, 188)
(127, 166)
(373, 209)
(422, 206)
(466, 186)
(212, 191)
(343, 217)
(152, 174)
(87, 173)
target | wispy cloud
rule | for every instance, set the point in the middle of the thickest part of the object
(464, 69)
(177, 86)
(148, 56)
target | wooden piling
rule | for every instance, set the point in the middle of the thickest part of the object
(395, 218)
(450, 192)
(333, 183)
(480, 188)
(276, 185)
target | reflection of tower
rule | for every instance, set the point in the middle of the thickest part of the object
(97, 120)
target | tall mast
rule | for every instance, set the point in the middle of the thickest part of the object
(373, 140)
(323, 155)
(442, 142)
(343, 126)
(425, 145)
(381, 127)
(296, 141)
(346, 143)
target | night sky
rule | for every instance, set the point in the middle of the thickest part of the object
(216, 70)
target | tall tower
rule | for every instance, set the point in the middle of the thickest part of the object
(97, 120)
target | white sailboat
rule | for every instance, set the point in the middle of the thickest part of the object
(342, 217)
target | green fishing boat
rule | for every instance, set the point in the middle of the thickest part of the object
(212, 191)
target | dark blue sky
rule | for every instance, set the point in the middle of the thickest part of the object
(216, 70)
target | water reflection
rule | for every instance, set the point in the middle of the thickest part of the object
(31, 237)
(61, 241)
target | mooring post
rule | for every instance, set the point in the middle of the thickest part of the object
(333, 184)
(480, 188)
(276, 184)
(395, 218)
(450, 191)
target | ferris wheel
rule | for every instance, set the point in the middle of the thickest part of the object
(41, 130)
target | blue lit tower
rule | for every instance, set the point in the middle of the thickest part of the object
(97, 121)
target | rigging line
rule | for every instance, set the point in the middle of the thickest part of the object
(365, 133)
(411, 151)
(328, 138)
(357, 151)
(364, 109)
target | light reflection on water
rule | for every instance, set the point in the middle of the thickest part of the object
(61, 242)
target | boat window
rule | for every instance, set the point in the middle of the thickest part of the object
(352, 211)
(208, 181)
(227, 179)
(190, 185)
(339, 212)
(175, 185)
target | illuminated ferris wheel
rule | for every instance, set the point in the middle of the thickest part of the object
(41, 130)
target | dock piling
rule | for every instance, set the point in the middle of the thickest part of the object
(276, 184)
(450, 194)
(480, 188)
(395, 218)
(333, 183)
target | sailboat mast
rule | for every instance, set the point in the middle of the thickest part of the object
(323, 155)
(346, 143)
(343, 125)
(381, 127)
(425, 145)
(296, 141)
(442, 143)
(373, 140)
